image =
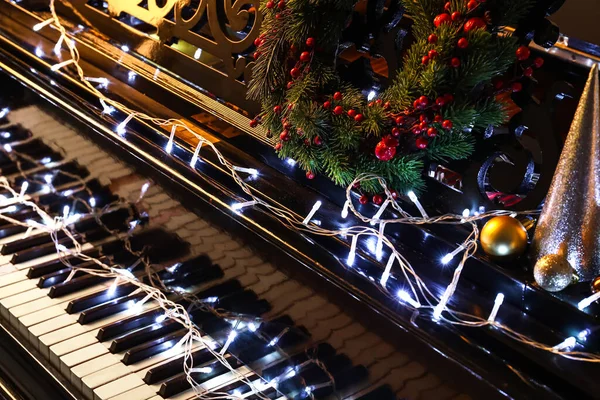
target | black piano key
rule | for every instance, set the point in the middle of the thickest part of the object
(179, 383)
(120, 327)
(22, 215)
(49, 267)
(94, 300)
(143, 335)
(42, 250)
(12, 230)
(174, 367)
(156, 346)
(322, 351)
(269, 393)
(29, 242)
(14, 133)
(384, 392)
(75, 285)
(348, 377)
(233, 389)
(109, 308)
(57, 277)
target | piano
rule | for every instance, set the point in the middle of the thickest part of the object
(280, 313)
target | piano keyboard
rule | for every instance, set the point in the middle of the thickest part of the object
(91, 333)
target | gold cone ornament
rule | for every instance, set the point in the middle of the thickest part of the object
(570, 220)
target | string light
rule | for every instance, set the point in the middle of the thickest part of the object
(198, 53)
(413, 197)
(352, 254)
(58, 45)
(566, 344)
(24, 187)
(379, 246)
(251, 171)
(230, 338)
(131, 76)
(42, 24)
(377, 215)
(239, 206)
(312, 212)
(371, 95)
(405, 297)
(125, 48)
(387, 271)
(196, 154)
(466, 212)
(497, 304)
(58, 66)
(121, 127)
(39, 52)
(345, 209)
(4, 112)
(169, 146)
(585, 303)
(201, 370)
(291, 162)
(8, 148)
(448, 257)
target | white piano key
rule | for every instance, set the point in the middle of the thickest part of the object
(144, 392)
(13, 277)
(21, 298)
(103, 377)
(118, 387)
(214, 384)
(89, 367)
(16, 288)
(77, 357)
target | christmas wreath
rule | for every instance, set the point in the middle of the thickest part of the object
(447, 90)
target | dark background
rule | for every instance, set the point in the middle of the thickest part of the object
(580, 19)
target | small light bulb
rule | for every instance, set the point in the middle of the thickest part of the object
(371, 95)
(125, 48)
(39, 52)
(8, 148)
(466, 212)
(197, 53)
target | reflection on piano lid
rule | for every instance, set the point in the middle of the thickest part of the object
(484, 354)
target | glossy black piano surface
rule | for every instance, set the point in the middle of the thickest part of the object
(377, 349)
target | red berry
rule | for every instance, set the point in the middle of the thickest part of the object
(295, 72)
(327, 104)
(390, 141)
(400, 120)
(310, 175)
(378, 102)
(523, 53)
(498, 83)
(517, 87)
(351, 113)
(448, 98)
(474, 23)
(440, 101)
(278, 147)
(359, 118)
(364, 199)
(423, 118)
(447, 124)
(422, 143)
(416, 130)
(442, 19)
(437, 118)
(293, 48)
(528, 71)
(538, 62)
(371, 104)
(257, 41)
(394, 194)
(395, 131)
(383, 152)
(432, 38)
(281, 5)
(289, 85)
(432, 132)
(456, 16)
(377, 199)
(455, 62)
(356, 185)
(256, 55)
(253, 123)
(433, 53)
(472, 4)
(387, 105)
(310, 42)
(299, 132)
(423, 100)
(416, 104)
(305, 56)
(425, 60)
(287, 125)
(447, 6)
(278, 16)
(337, 96)
(338, 110)
(317, 141)
(277, 109)
(306, 142)
(284, 135)
(423, 126)
(462, 43)
(270, 4)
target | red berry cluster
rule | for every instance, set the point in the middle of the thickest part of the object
(339, 110)
(280, 7)
(523, 54)
(377, 199)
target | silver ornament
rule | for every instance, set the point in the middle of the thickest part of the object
(570, 220)
(553, 272)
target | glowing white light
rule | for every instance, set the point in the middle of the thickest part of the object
(6, 134)
(583, 334)
(312, 212)
(92, 202)
(379, 246)
(378, 214)
(212, 299)
(9, 209)
(196, 154)
(39, 52)
(497, 303)
(291, 162)
(251, 171)
(113, 287)
(40, 25)
(405, 297)
(48, 178)
(230, 338)
(58, 45)
(125, 48)
(156, 73)
(413, 197)
(8, 148)
(124, 272)
(45, 160)
(201, 370)
(386, 272)
(345, 209)
(67, 193)
(585, 303)
(24, 187)
(273, 341)
(66, 210)
(308, 390)
(466, 212)
(58, 66)
(160, 318)
(144, 189)
(121, 127)
(239, 206)
(131, 76)
(169, 146)
(52, 82)
(102, 81)
(4, 112)
(253, 327)
(352, 254)
(502, 249)
(566, 344)
(198, 53)
(371, 95)
(448, 257)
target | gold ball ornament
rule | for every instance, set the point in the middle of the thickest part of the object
(553, 272)
(503, 238)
